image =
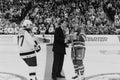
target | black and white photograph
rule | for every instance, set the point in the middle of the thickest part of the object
(59, 39)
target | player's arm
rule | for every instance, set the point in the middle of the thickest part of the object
(29, 38)
(83, 36)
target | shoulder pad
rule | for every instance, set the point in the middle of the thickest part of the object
(21, 32)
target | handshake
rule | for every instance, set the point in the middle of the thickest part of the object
(67, 42)
(69, 38)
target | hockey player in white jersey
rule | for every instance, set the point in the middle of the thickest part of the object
(28, 47)
(78, 52)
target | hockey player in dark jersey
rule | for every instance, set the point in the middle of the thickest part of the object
(78, 52)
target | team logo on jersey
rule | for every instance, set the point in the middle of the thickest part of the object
(109, 76)
(10, 76)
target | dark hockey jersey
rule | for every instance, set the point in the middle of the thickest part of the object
(79, 41)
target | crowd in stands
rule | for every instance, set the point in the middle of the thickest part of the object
(98, 17)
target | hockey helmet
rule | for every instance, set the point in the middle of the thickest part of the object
(27, 24)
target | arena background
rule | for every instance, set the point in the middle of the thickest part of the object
(98, 17)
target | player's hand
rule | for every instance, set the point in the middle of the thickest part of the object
(37, 48)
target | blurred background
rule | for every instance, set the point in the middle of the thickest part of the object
(96, 16)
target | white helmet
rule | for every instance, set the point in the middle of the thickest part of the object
(27, 23)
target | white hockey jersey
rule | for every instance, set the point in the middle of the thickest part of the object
(25, 42)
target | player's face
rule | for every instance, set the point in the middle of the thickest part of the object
(30, 26)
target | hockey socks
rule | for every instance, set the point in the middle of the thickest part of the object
(32, 76)
(32, 73)
(79, 70)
